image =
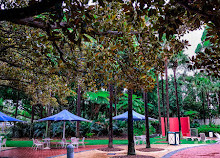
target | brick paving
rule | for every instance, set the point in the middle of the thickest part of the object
(27, 152)
(205, 151)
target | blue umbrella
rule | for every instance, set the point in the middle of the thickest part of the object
(136, 116)
(6, 118)
(64, 115)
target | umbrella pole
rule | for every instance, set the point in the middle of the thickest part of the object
(64, 129)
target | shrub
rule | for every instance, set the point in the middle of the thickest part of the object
(208, 128)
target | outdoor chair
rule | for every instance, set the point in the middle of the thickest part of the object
(75, 142)
(3, 143)
(82, 142)
(137, 140)
(37, 144)
(218, 138)
(202, 137)
(143, 139)
(63, 143)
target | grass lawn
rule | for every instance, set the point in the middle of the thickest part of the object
(11, 143)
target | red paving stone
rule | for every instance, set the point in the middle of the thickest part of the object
(206, 151)
(28, 152)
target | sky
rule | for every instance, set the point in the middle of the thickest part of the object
(194, 38)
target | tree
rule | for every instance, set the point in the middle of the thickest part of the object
(110, 144)
(131, 149)
(180, 58)
(167, 95)
(146, 120)
(78, 110)
(171, 18)
(164, 110)
(158, 104)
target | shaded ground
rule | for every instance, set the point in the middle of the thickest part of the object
(134, 156)
(109, 149)
(150, 149)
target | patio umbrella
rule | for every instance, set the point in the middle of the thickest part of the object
(136, 116)
(64, 115)
(6, 118)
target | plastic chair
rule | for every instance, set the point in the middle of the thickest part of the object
(202, 137)
(37, 144)
(218, 138)
(63, 143)
(137, 140)
(3, 143)
(75, 142)
(82, 142)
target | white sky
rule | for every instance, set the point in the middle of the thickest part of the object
(194, 38)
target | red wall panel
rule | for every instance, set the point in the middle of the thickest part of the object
(174, 125)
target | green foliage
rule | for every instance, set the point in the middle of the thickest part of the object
(100, 97)
(137, 101)
(89, 135)
(208, 128)
(191, 113)
(19, 130)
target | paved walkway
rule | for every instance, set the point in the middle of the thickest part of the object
(28, 152)
(204, 151)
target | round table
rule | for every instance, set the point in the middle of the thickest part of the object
(47, 141)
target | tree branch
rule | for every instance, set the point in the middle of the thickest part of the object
(29, 11)
(32, 22)
(194, 10)
(6, 47)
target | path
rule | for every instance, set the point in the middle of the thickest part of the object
(28, 152)
(205, 151)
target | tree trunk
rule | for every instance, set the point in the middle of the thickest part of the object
(219, 102)
(209, 109)
(92, 113)
(41, 111)
(16, 108)
(48, 122)
(146, 120)
(110, 142)
(158, 104)
(131, 149)
(164, 110)
(177, 101)
(167, 96)
(32, 114)
(78, 110)
(32, 120)
(115, 100)
(203, 106)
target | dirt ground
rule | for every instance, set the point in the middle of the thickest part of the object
(101, 154)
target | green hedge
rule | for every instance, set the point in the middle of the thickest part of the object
(208, 128)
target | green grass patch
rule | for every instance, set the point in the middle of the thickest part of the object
(11, 143)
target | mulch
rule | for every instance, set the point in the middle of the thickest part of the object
(150, 149)
(110, 149)
(133, 156)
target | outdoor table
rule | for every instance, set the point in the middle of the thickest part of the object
(47, 141)
(141, 138)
